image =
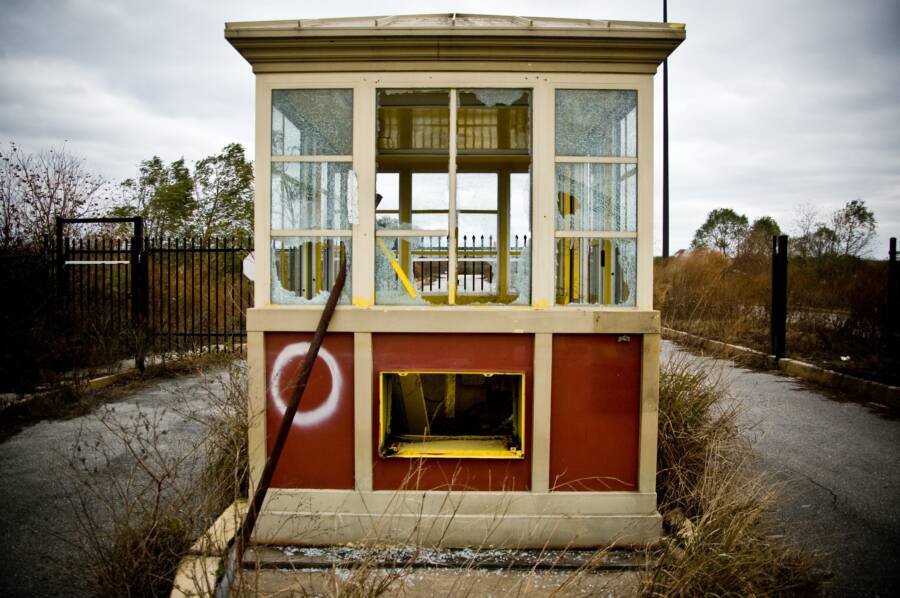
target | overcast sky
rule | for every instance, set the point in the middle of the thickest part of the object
(772, 104)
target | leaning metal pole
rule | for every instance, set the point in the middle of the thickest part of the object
(242, 538)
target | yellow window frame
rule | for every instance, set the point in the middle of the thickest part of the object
(449, 447)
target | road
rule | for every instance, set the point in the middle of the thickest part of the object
(838, 462)
(36, 514)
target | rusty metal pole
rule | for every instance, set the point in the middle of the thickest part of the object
(242, 538)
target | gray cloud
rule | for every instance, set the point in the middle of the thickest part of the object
(773, 104)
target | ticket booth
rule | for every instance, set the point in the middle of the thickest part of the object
(490, 376)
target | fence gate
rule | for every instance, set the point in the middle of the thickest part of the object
(133, 296)
(101, 286)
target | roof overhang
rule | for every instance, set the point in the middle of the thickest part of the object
(454, 42)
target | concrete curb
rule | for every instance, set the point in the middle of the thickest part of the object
(198, 571)
(865, 389)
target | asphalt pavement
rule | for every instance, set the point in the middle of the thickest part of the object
(836, 460)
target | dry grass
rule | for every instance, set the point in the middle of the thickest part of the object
(837, 306)
(717, 508)
(143, 497)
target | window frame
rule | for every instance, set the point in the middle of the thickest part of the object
(543, 160)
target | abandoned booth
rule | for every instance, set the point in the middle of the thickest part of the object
(490, 375)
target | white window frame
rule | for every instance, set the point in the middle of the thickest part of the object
(543, 176)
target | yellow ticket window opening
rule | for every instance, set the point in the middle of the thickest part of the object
(473, 415)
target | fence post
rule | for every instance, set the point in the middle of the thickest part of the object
(779, 296)
(59, 259)
(139, 292)
(893, 300)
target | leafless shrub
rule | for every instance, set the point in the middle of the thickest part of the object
(144, 494)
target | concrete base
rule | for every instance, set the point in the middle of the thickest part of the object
(460, 519)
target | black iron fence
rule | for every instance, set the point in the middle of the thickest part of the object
(169, 294)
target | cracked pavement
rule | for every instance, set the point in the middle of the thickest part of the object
(837, 463)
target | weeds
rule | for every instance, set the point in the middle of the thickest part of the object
(837, 306)
(717, 509)
(150, 481)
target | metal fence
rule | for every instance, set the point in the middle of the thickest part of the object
(164, 294)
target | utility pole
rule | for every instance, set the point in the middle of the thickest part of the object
(665, 181)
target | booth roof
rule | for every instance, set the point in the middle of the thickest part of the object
(450, 24)
(451, 37)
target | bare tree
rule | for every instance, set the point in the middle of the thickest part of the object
(48, 184)
(10, 204)
(854, 228)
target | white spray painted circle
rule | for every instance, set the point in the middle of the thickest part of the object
(324, 411)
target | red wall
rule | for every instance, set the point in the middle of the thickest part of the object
(318, 452)
(595, 412)
(453, 353)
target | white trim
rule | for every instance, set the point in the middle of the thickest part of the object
(312, 232)
(362, 410)
(597, 159)
(590, 234)
(263, 195)
(409, 232)
(644, 299)
(451, 213)
(542, 385)
(317, 158)
(543, 207)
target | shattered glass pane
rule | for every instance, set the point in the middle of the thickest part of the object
(411, 270)
(596, 197)
(304, 269)
(596, 271)
(595, 122)
(310, 195)
(312, 122)
(493, 119)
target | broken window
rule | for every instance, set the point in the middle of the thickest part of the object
(310, 194)
(452, 414)
(312, 122)
(304, 269)
(466, 182)
(596, 196)
(595, 271)
(596, 122)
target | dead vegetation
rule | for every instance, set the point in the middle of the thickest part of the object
(837, 306)
(722, 539)
(145, 492)
(138, 522)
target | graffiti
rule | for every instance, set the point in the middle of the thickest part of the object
(323, 412)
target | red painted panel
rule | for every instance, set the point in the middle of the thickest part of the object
(453, 353)
(319, 448)
(595, 412)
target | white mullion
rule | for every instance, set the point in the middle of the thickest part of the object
(597, 159)
(262, 215)
(312, 232)
(312, 158)
(543, 204)
(644, 299)
(406, 232)
(451, 240)
(590, 234)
